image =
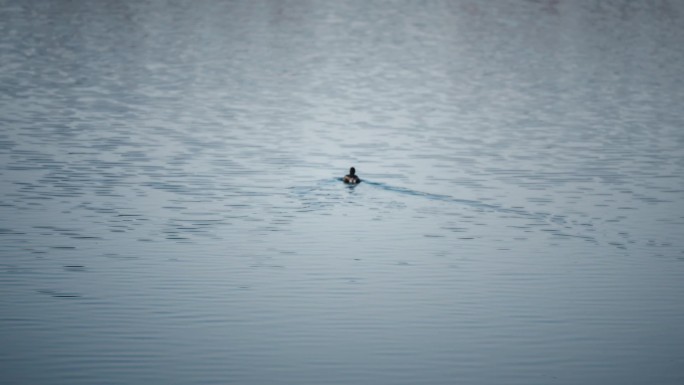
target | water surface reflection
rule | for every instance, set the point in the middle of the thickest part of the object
(171, 210)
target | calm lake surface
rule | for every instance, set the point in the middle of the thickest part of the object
(171, 210)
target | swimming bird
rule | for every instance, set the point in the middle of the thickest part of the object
(352, 178)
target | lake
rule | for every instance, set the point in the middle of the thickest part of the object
(172, 211)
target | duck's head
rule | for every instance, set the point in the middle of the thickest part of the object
(352, 171)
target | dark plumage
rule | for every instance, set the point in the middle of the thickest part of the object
(352, 178)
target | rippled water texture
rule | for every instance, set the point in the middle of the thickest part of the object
(171, 209)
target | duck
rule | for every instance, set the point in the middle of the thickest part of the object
(352, 178)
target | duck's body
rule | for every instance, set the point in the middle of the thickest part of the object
(352, 178)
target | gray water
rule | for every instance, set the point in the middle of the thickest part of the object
(171, 210)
